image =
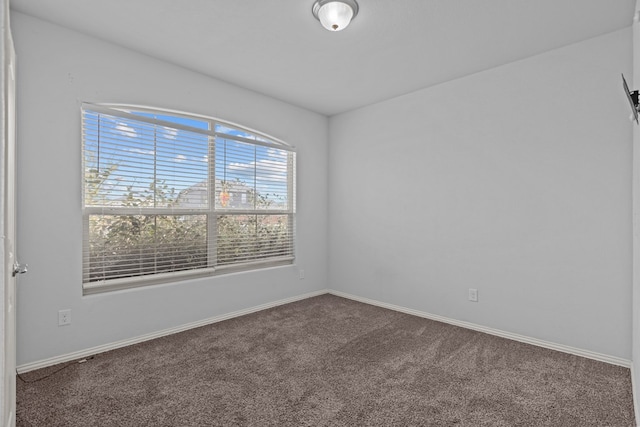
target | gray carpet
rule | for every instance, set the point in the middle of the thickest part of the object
(328, 361)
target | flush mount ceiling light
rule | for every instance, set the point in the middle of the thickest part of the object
(335, 15)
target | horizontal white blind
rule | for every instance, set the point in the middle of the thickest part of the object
(165, 193)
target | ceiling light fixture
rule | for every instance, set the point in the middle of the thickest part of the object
(335, 15)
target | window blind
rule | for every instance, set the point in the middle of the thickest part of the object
(170, 196)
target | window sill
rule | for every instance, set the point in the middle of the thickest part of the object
(157, 279)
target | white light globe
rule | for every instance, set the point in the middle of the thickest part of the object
(335, 15)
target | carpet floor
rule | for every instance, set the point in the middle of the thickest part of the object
(328, 361)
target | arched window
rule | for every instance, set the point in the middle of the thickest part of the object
(170, 196)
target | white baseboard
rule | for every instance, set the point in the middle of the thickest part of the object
(135, 340)
(509, 335)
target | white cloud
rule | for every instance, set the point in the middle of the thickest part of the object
(268, 170)
(143, 152)
(277, 154)
(180, 158)
(170, 133)
(125, 130)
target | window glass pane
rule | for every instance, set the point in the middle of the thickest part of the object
(243, 238)
(118, 162)
(251, 176)
(182, 169)
(130, 163)
(138, 245)
(271, 178)
(235, 183)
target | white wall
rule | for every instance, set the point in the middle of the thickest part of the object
(515, 181)
(57, 69)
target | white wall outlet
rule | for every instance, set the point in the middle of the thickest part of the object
(64, 317)
(473, 295)
(301, 274)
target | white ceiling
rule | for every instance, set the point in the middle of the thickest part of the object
(393, 47)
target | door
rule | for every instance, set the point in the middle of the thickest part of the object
(11, 267)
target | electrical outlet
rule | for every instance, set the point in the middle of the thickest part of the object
(301, 274)
(64, 317)
(473, 295)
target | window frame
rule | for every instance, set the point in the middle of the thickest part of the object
(212, 212)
